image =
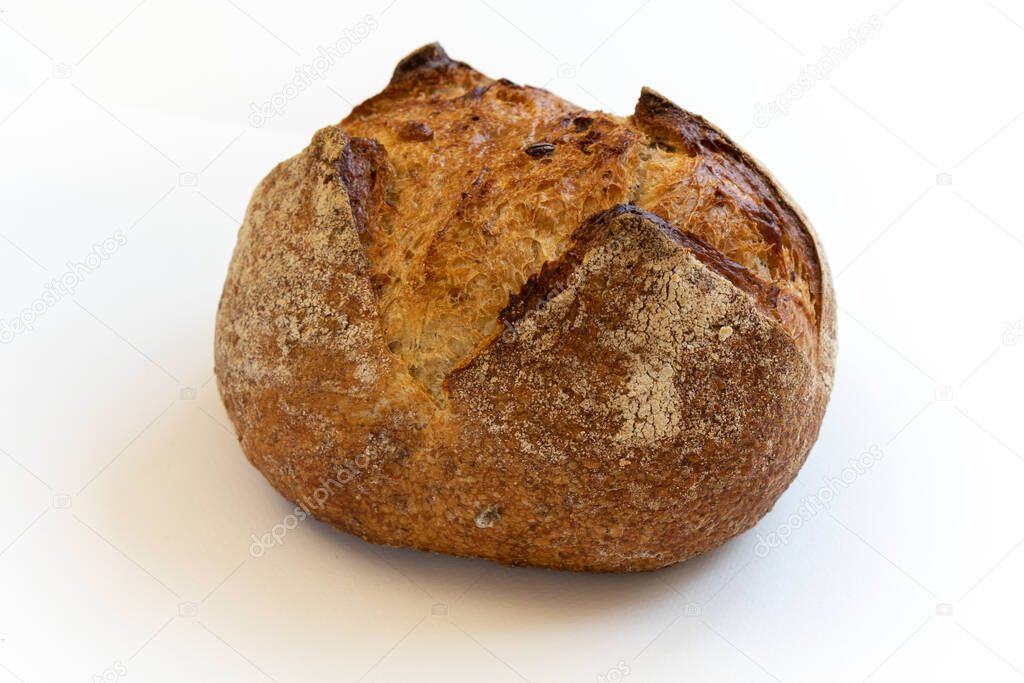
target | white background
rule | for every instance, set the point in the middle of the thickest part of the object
(127, 509)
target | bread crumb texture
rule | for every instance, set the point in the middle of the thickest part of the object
(476, 319)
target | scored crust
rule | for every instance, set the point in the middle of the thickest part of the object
(478, 182)
(490, 323)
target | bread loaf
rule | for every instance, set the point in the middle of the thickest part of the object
(474, 318)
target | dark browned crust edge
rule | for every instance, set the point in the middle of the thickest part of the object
(423, 68)
(431, 56)
(363, 170)
(662, 117)
(554, 275)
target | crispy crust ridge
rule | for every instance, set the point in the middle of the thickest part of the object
(552, 278)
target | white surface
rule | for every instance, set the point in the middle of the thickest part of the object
(127, 511)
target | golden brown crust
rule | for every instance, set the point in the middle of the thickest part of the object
(469, 361)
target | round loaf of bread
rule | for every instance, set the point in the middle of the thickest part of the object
(474, 318)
